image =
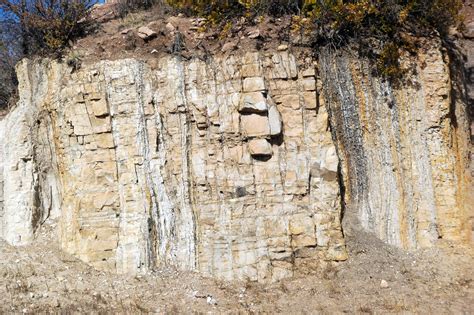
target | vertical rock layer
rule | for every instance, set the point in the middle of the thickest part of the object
(404, 150)
(228, 166)
(225, 166)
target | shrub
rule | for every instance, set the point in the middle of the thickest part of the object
(381, 17)
(218, 10)
(8, 79)
(127, 6)
(337, 17)
(10, 53)
(47, 26)
(338, 22)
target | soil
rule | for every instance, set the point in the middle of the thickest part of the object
(189, 37)
(377, 278)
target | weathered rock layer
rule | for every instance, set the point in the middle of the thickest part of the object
(404, 150)
(228, 166)
(225, 166)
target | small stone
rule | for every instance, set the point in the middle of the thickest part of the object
(384, 284)
(310, 72)
(310, 100)
(469, 30)
(211, 301)
(309, 84)
(254, 33)
(170, 27)
(146, 33)
(282, 47)
(229, 47)
(201, 21)
(251, 70)
(100, 108)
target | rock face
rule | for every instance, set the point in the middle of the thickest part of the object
(404, 151)
(165, 165)
(229, 166)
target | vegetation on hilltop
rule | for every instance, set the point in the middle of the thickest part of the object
(334, 18)
(46, 27)
(36, 27)
(338, 22)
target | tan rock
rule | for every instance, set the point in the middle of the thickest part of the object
(251, 70)
(254, 125)
(252, 34)
(290, 100)
(100, 108)
(254, 84)
(274, 120)
(170, 27)
(309, 84)
(146, 33)
(310, 72)
(310, 100)
(227, 47)
(260, 147)
(100, 125)
(104, 140)
(254, 102)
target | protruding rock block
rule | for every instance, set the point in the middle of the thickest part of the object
(274, 119)
(201, 137)
(254, 102)
(260, 147)
(255, 125)
(309, 84)
(251, 70)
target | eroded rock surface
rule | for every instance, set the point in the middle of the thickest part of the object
(205, 166)
(404, 150)
(228, 166)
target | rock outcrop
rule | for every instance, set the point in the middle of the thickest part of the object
(229, 166)
(404, 151)
(226, 166)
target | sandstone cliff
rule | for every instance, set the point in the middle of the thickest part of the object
(232, 166)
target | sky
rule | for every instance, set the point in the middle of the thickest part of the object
(2, 14)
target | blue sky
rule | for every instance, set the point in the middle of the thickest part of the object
(1, 11)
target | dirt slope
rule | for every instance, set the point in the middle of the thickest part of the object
(41, 278)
